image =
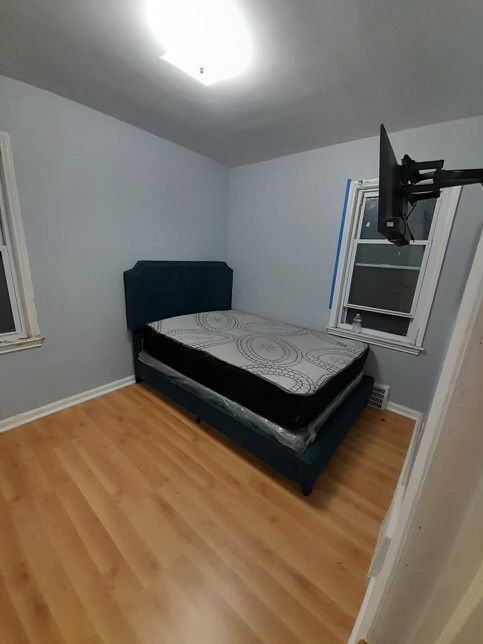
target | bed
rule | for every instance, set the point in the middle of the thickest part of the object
(285, 393)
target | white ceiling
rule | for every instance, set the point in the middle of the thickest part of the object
(325, 71)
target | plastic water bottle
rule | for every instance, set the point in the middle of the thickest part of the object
(356, 323)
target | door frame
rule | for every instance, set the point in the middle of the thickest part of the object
(402, 512)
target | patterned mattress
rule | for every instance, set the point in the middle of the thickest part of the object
(282, 372)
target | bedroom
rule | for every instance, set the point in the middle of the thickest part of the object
(117, 156)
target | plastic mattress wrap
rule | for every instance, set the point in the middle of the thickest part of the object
(297, 441)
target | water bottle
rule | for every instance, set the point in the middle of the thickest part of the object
(356, 323)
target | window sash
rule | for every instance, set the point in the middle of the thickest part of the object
(426, 284)
(396, 267)
(7, 254)
(348, 304)
(410, 336)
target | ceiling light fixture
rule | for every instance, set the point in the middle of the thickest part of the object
(207, 39)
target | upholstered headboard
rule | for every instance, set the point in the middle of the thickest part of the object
(156, 290)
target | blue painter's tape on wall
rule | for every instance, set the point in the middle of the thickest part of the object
(339, 243)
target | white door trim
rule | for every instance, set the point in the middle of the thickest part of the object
(467, 315)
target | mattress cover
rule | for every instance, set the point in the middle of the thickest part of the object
(297, 441)
(285, 373)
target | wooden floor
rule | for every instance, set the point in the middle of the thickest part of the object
(124, 521)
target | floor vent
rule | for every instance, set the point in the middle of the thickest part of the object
(379, 396)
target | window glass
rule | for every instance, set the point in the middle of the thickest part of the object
(421, 218)
(380, 321)
(391, 289)
(7, 323)
(369, 220)
(390, 255)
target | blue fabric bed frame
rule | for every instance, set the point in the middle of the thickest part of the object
(156, 290)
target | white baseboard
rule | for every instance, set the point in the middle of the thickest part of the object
(404, 411)
(45, 410)
(34, 414)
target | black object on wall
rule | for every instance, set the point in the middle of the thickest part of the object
(401, 186)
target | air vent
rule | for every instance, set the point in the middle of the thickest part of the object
(379, 396)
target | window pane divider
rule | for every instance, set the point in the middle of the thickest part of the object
(384, 242)
(361, 307)
(397, 266)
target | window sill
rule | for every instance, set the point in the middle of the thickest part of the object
(378, 342)
(21, 345)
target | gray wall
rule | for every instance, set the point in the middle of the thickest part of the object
(284, 218)
(96, 195)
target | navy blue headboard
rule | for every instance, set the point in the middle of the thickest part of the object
(157, 290)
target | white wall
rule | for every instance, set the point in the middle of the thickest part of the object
(284, 218)
(96, 195)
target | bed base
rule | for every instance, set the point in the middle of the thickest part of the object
(155, 290)
(303, 468)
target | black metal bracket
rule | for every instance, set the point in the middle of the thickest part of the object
(410, 173)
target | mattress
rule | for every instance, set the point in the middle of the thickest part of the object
(284, 373)
(297, 441)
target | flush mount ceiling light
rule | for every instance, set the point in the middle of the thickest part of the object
(207, 39)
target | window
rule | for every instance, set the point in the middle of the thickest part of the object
(391, 288)
(18, 318)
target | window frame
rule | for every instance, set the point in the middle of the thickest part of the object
(16, 262)
(429, 272)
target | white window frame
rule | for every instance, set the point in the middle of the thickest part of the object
(15, 260)
(430, 269)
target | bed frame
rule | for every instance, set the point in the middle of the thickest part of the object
(156, 290)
